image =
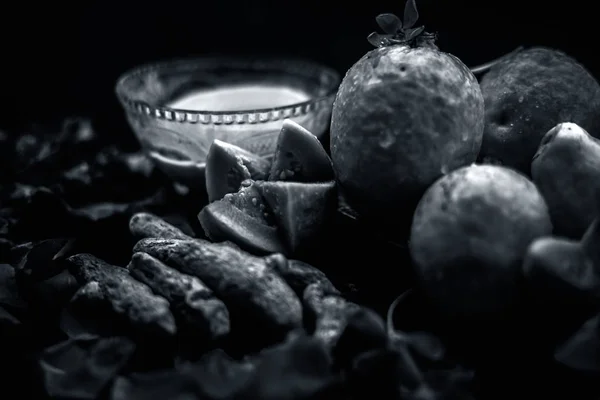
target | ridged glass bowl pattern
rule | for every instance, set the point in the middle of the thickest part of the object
(178, 140)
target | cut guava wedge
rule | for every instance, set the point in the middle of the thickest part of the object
(299, 156)
(244, 219)
(227, 165)
(301, 210)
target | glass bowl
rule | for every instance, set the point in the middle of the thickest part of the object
(178, 139)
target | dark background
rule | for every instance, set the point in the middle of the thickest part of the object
(61, 59)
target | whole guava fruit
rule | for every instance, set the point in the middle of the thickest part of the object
(469, 236)
(403, 117)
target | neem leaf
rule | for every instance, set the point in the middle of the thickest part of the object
(451, 384)
(66, 251)
(53, 293)
(426, 345)
(100, 211)
(41, 262)
(375, 369)
(411, 15)
(7, 319)
(364, 331)
(163, 384)
(218, 376)
(42, 277)
(389, 23)
(297, 369)
(215, 376)
(81, 368)
(396, 375)
(581, 352)
(9, 294)
(17, 252)
(88, 316)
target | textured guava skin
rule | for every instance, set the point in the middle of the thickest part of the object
(529, 93)
(469, 235)
(402, 118)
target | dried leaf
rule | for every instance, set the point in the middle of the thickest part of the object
(389, 23)
(41, 262)
(9, 294)
(426, 345)
(375, 369)
(297, 369)
(7, 320)
(78, 320)
(81, 368)
(52, 294)
(397, 376)
(364, 331)
(218, 376)
(582, 351)
(67, 250)
(411, 15)
(163, 384)
(100, 211)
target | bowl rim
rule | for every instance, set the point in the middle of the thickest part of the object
(229, 117)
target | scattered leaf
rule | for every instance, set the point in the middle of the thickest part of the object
(426, 345)
(81, 368)
(374, 369)
(9, 293)
(67, 250)
(19, 251)
(364, 331)
(396, 376)
(41, 262)
(297, 369)
(163, 384)
(7, 320)
(75, 322)
(218, 376)
(100, 211)
(53, 293)
(215, 376)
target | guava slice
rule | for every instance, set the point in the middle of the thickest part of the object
(244, 219)
(301, 210)
(299, 156)
(227, 165)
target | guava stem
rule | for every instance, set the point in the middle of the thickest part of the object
(390, 314)
(480, 69)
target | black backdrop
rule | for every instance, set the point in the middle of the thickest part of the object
(60, 59)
